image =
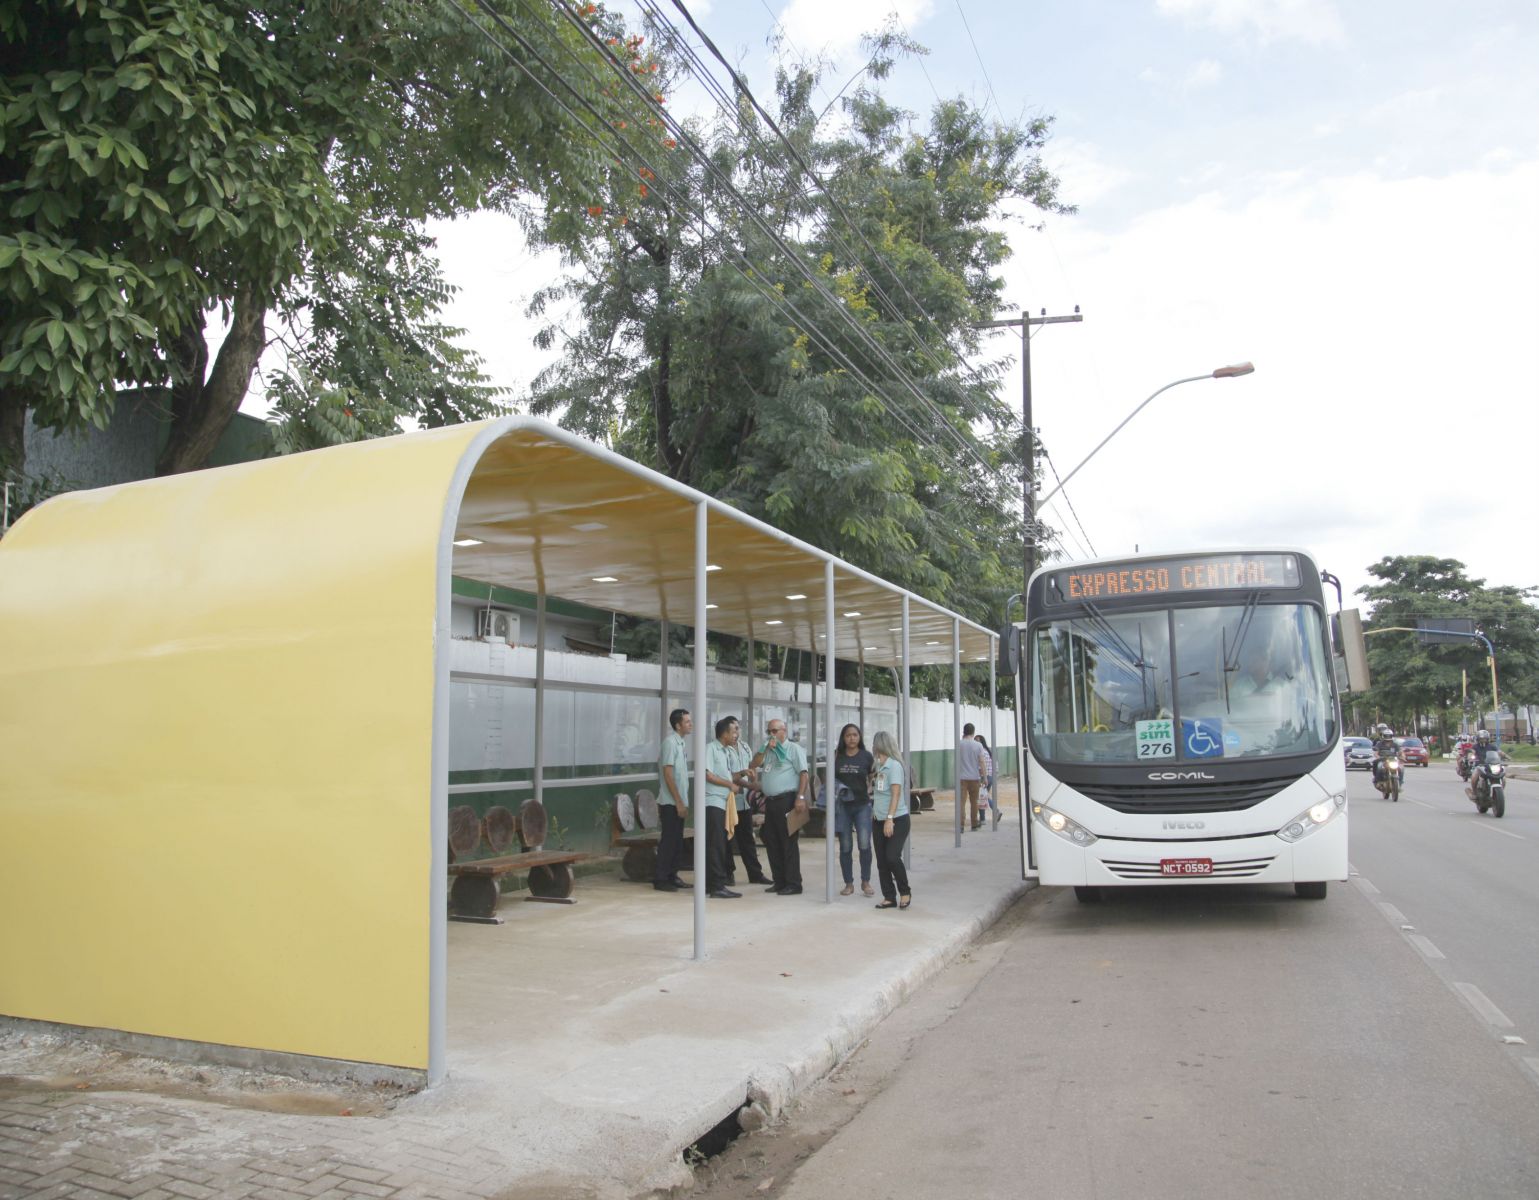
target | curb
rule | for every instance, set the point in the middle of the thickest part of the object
(771, 1090)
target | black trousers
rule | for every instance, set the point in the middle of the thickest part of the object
(781, 846)
(889, 857)
(717, 864)
(742, 841)
(670, 843)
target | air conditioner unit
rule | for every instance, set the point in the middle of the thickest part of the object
(495, 625)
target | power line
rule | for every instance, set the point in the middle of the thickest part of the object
(811, 329)
(1064, 493)
(683, 136)
(987, 81)
(747, 93)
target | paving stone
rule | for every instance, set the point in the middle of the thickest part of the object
(359, 1188)
(366, 1174)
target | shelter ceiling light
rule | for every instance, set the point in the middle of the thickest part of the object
(605, 579)
(852, 614)
(797, 596)
(774, 622)
(894, 628)
(712, 567)
(590, 526)
(710, 606)
(469, 542)
(870, 647)
(932, 643)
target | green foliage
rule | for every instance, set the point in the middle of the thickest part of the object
(151, 161)
(686, 359)
(1410, 678)
(162, 162)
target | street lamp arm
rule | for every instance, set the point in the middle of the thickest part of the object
(1113, 433)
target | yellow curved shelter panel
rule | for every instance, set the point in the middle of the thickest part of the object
(216, 709)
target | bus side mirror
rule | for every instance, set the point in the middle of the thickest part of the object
(1008, 661)
(1354, 650)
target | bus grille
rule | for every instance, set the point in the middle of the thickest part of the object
(1239, 869)
(1217, 797)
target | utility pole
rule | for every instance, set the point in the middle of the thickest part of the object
(1029, 448)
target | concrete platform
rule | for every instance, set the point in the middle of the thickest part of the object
(586, 1048)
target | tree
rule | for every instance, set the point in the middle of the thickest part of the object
(159, 163)
(707, 352)
(1408, 677)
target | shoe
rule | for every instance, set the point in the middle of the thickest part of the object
(847, 890)
(760, 879)
(905, 901)
(724, 894)
(788, 891)
(867, 890)
(666, 886)
(888, 904)
(679, 883)
(774, 887)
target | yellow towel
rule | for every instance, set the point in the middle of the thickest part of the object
(731, 814)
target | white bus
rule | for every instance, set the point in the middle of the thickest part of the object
(1181, 724)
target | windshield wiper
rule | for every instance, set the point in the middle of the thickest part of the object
(1240, 633)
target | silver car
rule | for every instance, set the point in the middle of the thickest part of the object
(1358, 753)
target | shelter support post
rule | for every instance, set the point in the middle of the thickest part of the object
(697, 776)
(862, 683)
(903, 731)
(956, 718)
(994, 725)
(662, 660)
(749, 728)
(830, 734)
(539, 694)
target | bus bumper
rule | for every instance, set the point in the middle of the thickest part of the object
(1265, 858)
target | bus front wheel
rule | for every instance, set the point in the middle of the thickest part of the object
(1087, 895)
(1313, 890)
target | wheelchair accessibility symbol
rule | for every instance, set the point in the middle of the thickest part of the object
(1203, 738)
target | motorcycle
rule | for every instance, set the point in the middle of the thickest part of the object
(1489, 789)
(1388, 776)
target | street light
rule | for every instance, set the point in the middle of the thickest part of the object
(1230, 372)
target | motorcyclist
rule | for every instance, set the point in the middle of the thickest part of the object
(1384, 747)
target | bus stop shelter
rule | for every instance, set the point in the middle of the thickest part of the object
(224, 709)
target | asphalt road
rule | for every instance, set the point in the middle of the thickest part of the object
(1233, 1041)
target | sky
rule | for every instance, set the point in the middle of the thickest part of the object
(1345, 194)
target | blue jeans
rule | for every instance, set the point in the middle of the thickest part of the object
(856, 819)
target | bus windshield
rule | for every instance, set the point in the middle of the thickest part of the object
(1242, 680)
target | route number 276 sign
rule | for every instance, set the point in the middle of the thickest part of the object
(1156, 739)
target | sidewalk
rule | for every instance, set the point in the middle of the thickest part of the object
(586, 1049)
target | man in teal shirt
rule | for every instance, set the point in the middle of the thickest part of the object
(784, 784)
(720, 791)
(672, 801)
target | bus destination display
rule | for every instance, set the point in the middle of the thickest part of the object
(1175, 576)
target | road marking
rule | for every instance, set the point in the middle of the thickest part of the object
(1425, 946)
(1532, 1064)
(1494, 829)
(1393, 913)
(1483, 1006)
(1424, 804)
(1367, 885)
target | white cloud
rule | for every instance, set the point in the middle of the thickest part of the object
(1205, 74)
(816, 26)
(1314, 21)
(1387, 318)
(1087, 174)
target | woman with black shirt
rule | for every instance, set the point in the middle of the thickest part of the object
(852, 770)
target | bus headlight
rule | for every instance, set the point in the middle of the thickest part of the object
(1313, 817)
(1056, 822)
